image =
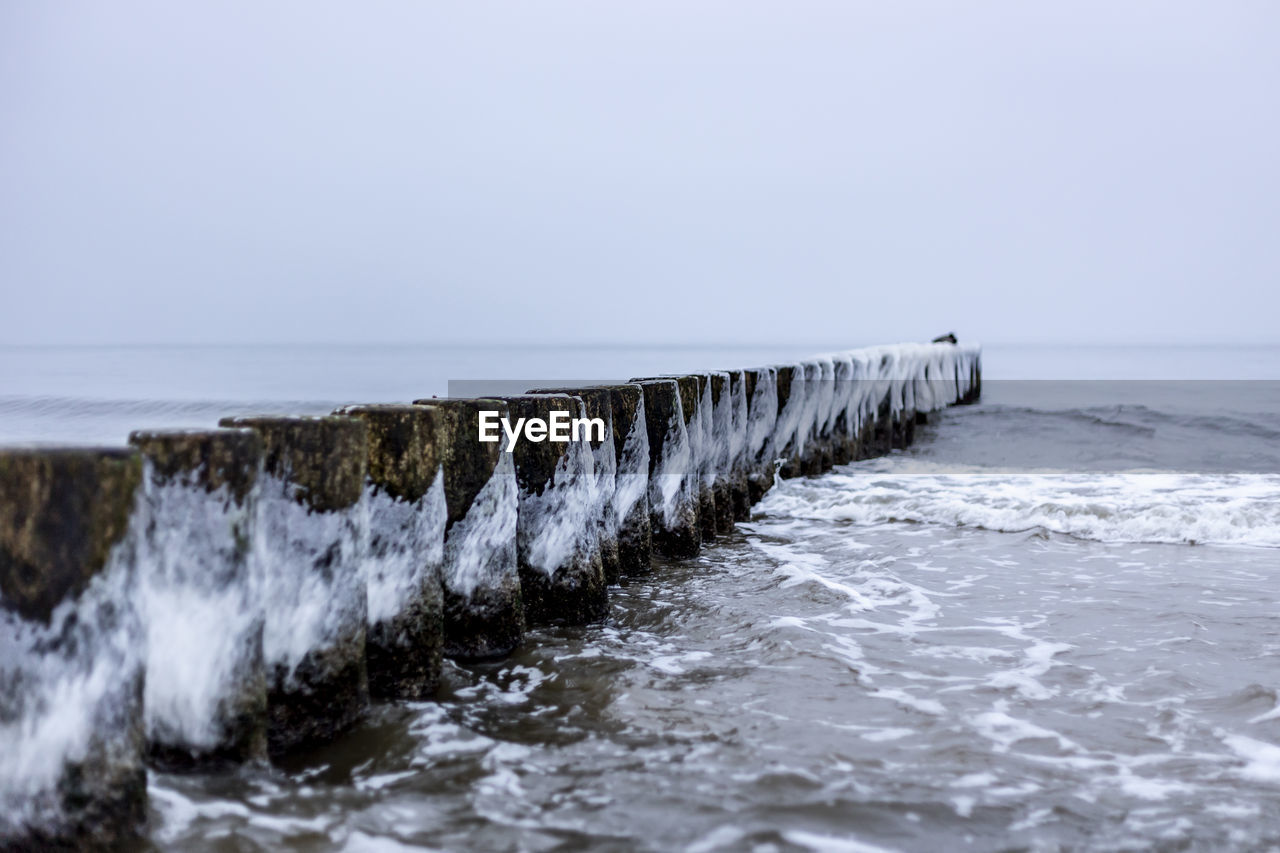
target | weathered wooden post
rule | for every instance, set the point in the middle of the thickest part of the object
(312, 540)
(719, 447)
(695, 406)
(791, 410)
(673, 477)
(848, 400)
(72, 731)
(822, 457)
(483, 610)
(557, 529)
(200, 596)
(762, 421)
(599, 406)
(404, 629)
(631, 477)
(739, 469)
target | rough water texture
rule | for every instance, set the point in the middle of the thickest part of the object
(1044, 626)
(991, 641)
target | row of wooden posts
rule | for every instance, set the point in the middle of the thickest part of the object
(250, 589)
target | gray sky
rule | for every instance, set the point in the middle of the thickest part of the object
(647, 172)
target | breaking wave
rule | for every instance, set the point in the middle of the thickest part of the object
(1122, 506)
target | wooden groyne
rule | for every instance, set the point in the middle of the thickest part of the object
(207, 598)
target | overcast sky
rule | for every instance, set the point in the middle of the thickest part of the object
(644, 172)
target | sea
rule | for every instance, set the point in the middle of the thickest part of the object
(1051, 624)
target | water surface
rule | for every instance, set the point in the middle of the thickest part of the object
(1052, 624)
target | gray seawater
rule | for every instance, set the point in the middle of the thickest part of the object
(1052, 624)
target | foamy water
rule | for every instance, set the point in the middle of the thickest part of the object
(903, 654)
(1003, 638)
(1124, 506)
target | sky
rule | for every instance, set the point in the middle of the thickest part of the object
(654, 173)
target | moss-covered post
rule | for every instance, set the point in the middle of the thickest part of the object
(312, 540)
(557, 528)
(673, 478)
(199, 585)
(483, 609)
(72, 731)
(406, 505)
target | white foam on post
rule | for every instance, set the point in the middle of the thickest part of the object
(867, 386)
(560, 526)
(708, 452)
(68, 688)
(674, 476)
(853, 384)
(480, 548)
(806, 428)
(830, 407)
(739, 422)
(604, 464)
(762, 414)
(199, 603)
(312, 586)
(790, 420)
(806, 388)
(696, 432)
(406, 548)
(631, 480)
(722, 430)
(921, 377)
(843, 390)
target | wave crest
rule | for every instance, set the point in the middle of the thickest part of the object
(1124, 506)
